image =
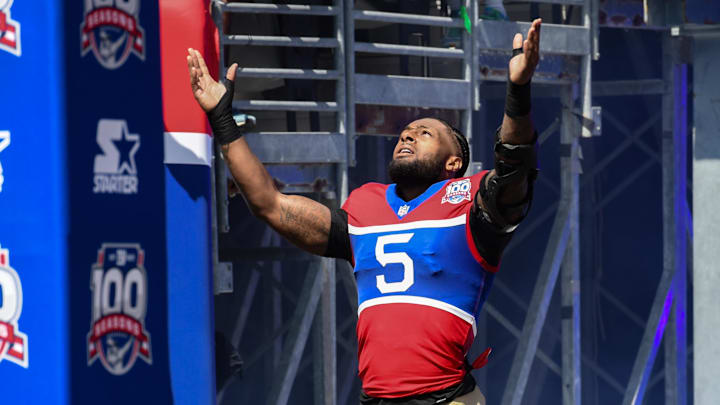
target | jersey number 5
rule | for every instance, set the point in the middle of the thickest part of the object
(398, 257)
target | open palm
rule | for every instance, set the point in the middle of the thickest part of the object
(522, 66)
(206, 90)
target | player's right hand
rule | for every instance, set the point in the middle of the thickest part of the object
(206, 90)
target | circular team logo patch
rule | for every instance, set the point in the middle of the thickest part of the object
(119, 303)
(111, 29)
(457, 192)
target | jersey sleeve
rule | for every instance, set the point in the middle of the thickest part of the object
(485, 240)
(361, 206)
(359, 201)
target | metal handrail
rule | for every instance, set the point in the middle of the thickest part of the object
(268, 40)
(299, 133)
(402, 18)
(561, 2)
(409, 50)
(319, 74)
(283, 105)
(266, 8)
(497, 36)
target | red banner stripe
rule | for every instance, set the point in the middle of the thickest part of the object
(117, 323)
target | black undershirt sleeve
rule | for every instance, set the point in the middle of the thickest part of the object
(339, 239)
(489, 239)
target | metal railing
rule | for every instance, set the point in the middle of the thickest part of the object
(406, 91)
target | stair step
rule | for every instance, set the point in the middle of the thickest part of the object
(265, 8)
(320, 74)
(282, 105)
(267, 40)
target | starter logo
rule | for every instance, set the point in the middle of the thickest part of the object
(9, 29)
(13, 343)
(115, 170)
(4, 143)
(119, 304)
(111, 29)
(457, 191)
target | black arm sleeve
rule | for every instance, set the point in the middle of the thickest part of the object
(490, 240)
(339, 239)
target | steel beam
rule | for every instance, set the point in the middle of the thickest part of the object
(586, 59)
(621, 307)
(555, 38)
(619, 187)
(542, 293)
(284, 105)
(349, 41)
(674, 242)
(659, 313)
(297, 337)
(600, 88)
(266, 8)
(466, 96)
(565, 2)
(674, 233)
(525, 231)
(297, 148)
(604, 375)
(541, 355)
(220, 217)
(325, 342)
(317, 74)
(412, 91)
(249, 295)
(267, 40)
(570, 279)
(635, 134)
(276, 306)
(401, 18)
(643, 87)
(408, 50)
(674, 155)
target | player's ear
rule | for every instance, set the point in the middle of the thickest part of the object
(453, 164)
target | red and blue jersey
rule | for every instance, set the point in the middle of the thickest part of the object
(421, 283)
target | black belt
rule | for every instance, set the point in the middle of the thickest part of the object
(442, 396)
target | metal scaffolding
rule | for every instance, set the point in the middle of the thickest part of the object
(326, 152)
(565, 73)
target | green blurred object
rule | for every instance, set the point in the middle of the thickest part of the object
(466, 18)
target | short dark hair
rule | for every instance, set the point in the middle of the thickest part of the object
(463, 147)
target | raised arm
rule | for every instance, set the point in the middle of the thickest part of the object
(304, 222)
(515, 166)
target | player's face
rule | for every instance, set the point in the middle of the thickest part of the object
(425, 139)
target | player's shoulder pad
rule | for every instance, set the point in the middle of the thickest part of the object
(362, 193)
(474, 179)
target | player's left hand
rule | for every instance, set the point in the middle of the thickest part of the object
(522, 66)
(206, 90)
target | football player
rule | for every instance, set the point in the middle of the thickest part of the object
(425, 249)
